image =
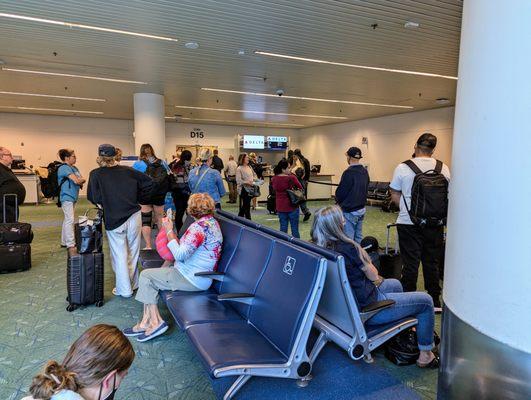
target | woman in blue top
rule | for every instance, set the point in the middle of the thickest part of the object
(368, 287)
(93, 368)
(157, 169)
(70, 181)
(204, 179)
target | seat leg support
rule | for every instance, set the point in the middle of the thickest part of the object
(318, 346)
(237, 385)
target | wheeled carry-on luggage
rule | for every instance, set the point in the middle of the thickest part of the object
(84, 280)
(15, 239)
(391, 260)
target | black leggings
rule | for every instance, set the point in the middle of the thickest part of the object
(180, 201)
(245, 204)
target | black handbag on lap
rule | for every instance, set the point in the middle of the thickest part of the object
(252, 191)
(296, 196)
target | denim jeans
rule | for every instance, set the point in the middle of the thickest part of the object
(291, 217)
(408, 304)
(354, 225)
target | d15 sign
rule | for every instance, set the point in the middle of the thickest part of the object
(197, 133)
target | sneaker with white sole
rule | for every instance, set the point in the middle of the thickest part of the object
(114, 292)
(163, 327)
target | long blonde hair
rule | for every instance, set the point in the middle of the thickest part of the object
(327, 229)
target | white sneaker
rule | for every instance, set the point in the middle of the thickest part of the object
(120, 295)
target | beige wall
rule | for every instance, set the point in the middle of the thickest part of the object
(390, 141)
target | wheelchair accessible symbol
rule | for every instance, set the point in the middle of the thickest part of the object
(289, 265)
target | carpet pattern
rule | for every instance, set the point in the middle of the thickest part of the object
(35, 326)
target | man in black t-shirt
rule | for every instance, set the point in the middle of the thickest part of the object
(217, 162)
(120, 190)
(9, 184)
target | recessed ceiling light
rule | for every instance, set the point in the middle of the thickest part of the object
(89, 27)
(261, 112)
(52, 109)
(305, 98)
(192, 45)
(241, 52)
(51, 96)
(313, 60)
(411, 25)
(234, 122)
(99, 78)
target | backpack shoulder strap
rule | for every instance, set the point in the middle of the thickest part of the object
(438, 166)
(413, 166)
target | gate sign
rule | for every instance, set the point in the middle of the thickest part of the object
(253, 142)
(197, 133)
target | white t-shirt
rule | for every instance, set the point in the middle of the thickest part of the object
(403, 181)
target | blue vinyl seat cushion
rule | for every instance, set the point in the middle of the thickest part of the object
(232, 343)
(200, 308)
(373, 330)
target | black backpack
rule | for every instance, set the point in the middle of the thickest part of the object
(50, 186)
(158, 172)
(429, 196)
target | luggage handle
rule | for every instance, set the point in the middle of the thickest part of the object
(389, 226)
(4, 206)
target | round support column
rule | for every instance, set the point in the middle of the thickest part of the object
(486, 339)
(149, 122)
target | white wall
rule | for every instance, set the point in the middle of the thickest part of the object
(390, 141)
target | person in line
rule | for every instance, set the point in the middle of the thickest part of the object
(153, 209)
(297, 168)
(9, 184)
(351, 194)
(93, 369)
(119, 154)
(70, 181)
(245, 178)
(287, 212)
(305, 178)
(180, 168)
(230, 177)
(217, 162)
(204, 179)
(258, 170)
(368, 287)
(418, 243)
(120, 190)
(197, 251)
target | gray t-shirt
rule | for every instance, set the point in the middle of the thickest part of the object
(62, 395)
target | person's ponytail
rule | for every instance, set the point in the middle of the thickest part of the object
(54, 379)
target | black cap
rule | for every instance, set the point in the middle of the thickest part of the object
(106, 150)
(354, 152)
(427, 140)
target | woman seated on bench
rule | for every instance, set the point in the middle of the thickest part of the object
(369, 287)
(198, 251)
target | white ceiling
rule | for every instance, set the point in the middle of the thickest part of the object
(332, 30)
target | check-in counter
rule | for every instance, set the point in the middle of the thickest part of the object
(31, 184)
(316, 191)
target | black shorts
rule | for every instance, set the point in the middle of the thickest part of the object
(157, 200)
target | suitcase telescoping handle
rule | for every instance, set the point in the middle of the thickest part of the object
(389, 226)
(4, 205)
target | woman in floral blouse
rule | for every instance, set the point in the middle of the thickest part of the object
(197, 251)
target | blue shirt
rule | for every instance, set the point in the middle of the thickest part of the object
(69, 189)
(141, 165)
(211, 182)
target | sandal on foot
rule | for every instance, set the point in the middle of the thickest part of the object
(433, 364)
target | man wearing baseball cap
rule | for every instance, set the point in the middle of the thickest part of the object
(120, 190)
(351, 194)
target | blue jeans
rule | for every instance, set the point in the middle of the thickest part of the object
(408, 304)
(291, 217)
(354, 225)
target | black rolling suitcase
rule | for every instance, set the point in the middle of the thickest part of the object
(84, 280)
(390, 259)
(15, 239)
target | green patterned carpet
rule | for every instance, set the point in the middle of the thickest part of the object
(35, 326)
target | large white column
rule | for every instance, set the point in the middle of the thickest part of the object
(487, 287)
(149, 122)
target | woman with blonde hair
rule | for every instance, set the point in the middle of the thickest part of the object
(198, 250)
(93, 368)
(204, 179)
(368, 287)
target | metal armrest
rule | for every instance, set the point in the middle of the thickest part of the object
(215, 275)
(246, 298)
(374, 308)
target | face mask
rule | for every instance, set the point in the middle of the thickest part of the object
(110, 396)
(151, 159)
(187, 162)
